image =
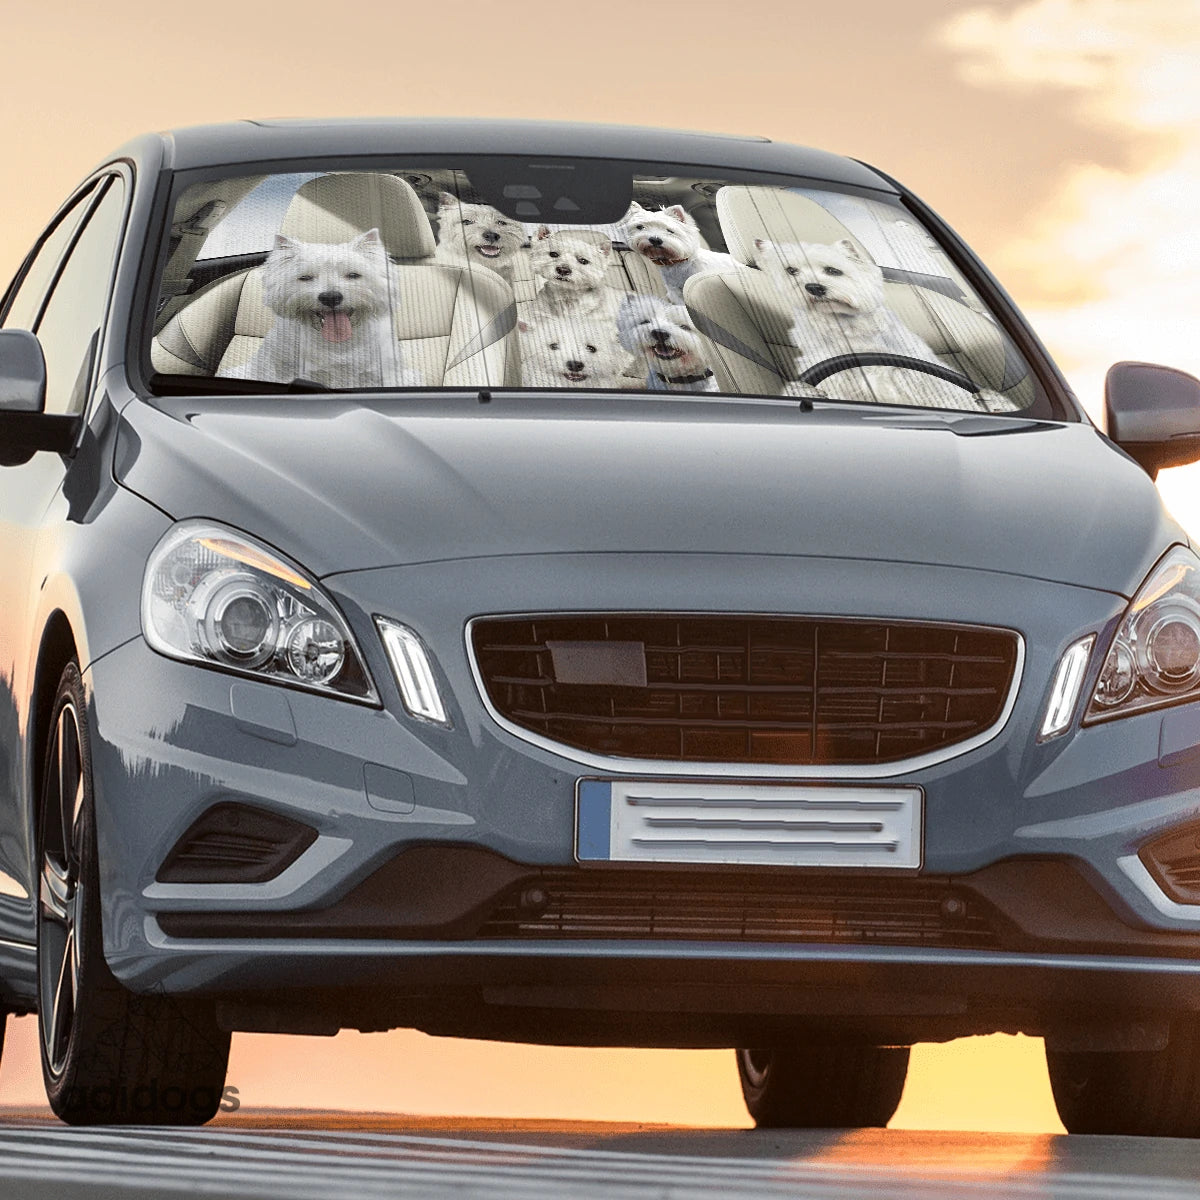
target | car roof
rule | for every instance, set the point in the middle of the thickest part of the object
(257, 141)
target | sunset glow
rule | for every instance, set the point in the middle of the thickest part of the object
(1060, 137)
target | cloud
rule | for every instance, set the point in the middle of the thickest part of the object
(1109, 269)
(1131, 63)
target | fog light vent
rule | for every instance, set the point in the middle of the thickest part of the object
(1174, 861)
(234, 843)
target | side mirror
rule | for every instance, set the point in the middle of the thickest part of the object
(24, 427)
(1153, 414)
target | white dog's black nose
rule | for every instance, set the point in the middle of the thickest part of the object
(660, 335)
(655, 241)
(330, 299)
(490, 235)
(815, 289)
(574, 365)
(563, 271)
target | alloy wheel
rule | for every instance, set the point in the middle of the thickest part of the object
(60, 893)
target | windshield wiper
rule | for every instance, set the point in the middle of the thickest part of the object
(210, 385)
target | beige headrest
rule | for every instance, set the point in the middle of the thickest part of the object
(596, 236)
(779, 215)
(338, 207)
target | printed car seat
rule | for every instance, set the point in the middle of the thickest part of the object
(457, 327)
(749, 317)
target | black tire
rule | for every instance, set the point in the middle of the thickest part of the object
(823, 1087)
(1143, 1093)
(109, 1057)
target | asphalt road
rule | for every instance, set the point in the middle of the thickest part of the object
(328, 1156)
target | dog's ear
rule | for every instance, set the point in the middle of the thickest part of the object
(446, 200)
(680, 214)
(762, 244)
(526, 326)
(606, 249)
(543, 232)
(370, 238)
(634, 209)
(285, 245)
(850, 250)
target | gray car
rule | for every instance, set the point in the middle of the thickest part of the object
(580, 585)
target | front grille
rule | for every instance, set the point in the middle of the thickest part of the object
(844, 910)
(745, 689)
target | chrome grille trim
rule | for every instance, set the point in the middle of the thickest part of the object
(743, 770)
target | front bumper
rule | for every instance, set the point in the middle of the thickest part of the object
(172, 744)
(676, 994)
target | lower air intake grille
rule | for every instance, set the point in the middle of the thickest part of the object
(745, 689)
(236, 843)
(635, 904)
(1174, 862)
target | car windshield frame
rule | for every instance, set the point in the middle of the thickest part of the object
(1052, 401)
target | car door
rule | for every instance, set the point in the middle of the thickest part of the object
(61, 295)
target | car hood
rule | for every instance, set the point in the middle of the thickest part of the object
(341, 485)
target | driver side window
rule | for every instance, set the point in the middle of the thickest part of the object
(26, 299)
(71, 321)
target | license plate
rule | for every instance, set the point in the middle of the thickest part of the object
(759, 824)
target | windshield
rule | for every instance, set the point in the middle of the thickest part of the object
(583, 275)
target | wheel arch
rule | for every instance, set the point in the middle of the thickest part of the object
(57, 648)
(64, 636)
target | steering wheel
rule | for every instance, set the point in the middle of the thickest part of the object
(821, 371)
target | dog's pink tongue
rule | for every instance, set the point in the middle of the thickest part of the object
(335, 327)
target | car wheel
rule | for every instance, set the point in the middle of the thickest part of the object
(823, 1087)
(1147, 1093)
(108, 1056)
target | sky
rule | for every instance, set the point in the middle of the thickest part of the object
(1060, 137)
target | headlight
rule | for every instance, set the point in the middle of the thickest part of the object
(213, 596)
(1154, 659)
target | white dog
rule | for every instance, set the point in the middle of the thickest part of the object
(664, 336)
(670, 238)
(333, 317)
(570, 354)
(572, 271)
(477, 234)
(841, 309)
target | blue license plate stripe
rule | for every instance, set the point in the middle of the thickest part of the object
(593, 836)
